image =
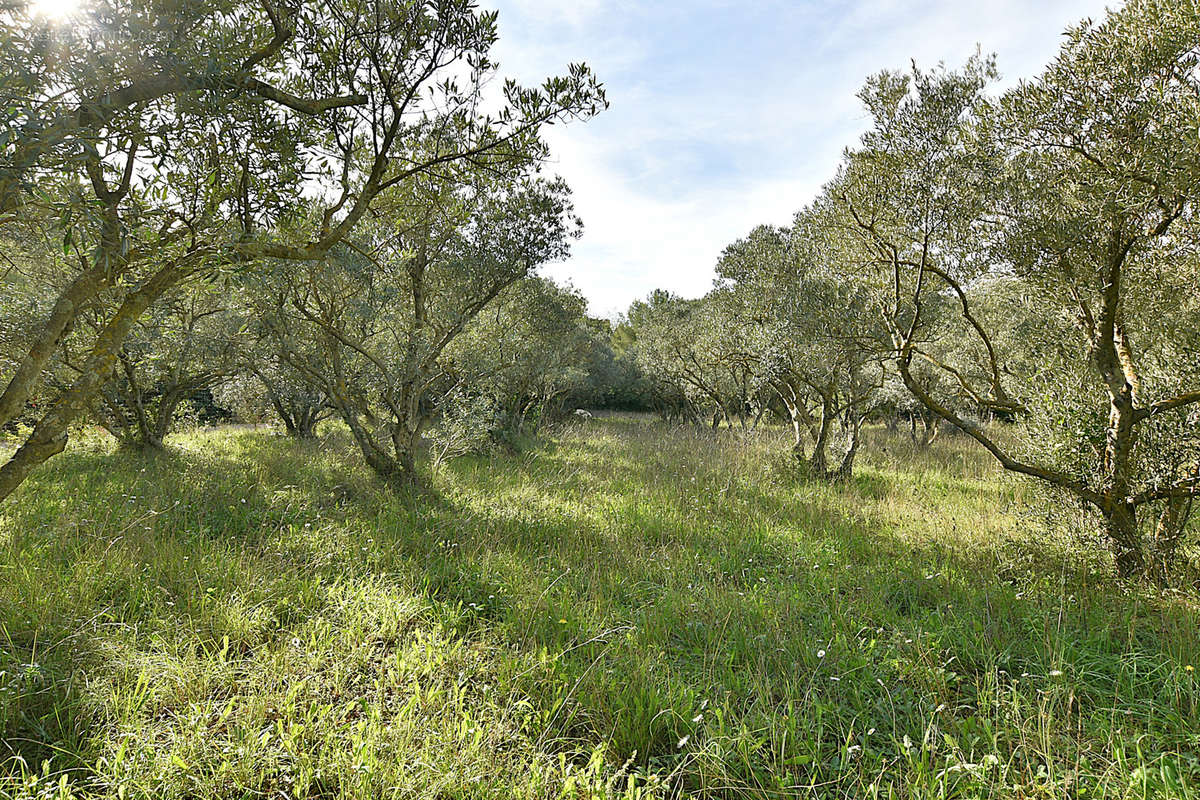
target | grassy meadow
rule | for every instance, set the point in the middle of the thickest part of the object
(626, 609)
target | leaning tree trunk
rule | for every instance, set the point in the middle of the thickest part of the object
(49, 435)
(291, 421)
(395, 465)
(381, 462)
(63, 315)
(290, 427)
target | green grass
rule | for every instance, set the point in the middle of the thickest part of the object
(626, 610)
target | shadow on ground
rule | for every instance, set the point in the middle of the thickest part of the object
(670, 593)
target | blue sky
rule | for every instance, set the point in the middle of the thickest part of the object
(726, 115)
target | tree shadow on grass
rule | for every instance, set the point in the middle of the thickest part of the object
(630, 599)
(962, 617)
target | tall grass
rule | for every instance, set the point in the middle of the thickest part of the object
(629, 609)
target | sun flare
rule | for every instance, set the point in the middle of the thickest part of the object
(54, 9)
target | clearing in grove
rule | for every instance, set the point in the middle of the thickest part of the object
(625, 609)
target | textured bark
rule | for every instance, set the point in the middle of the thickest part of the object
(845, 470)
(1121, 528)
(395, 465)
(29, 371)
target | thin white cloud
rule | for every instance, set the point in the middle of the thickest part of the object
(728, 115)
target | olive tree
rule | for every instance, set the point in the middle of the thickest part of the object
(693, 355)
(298, 404)
(265, 386)
(1080, 185)
(611, 378)
(811, 338)
(166, 142)
(523, 353)
(188, 343)
(369, 324)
